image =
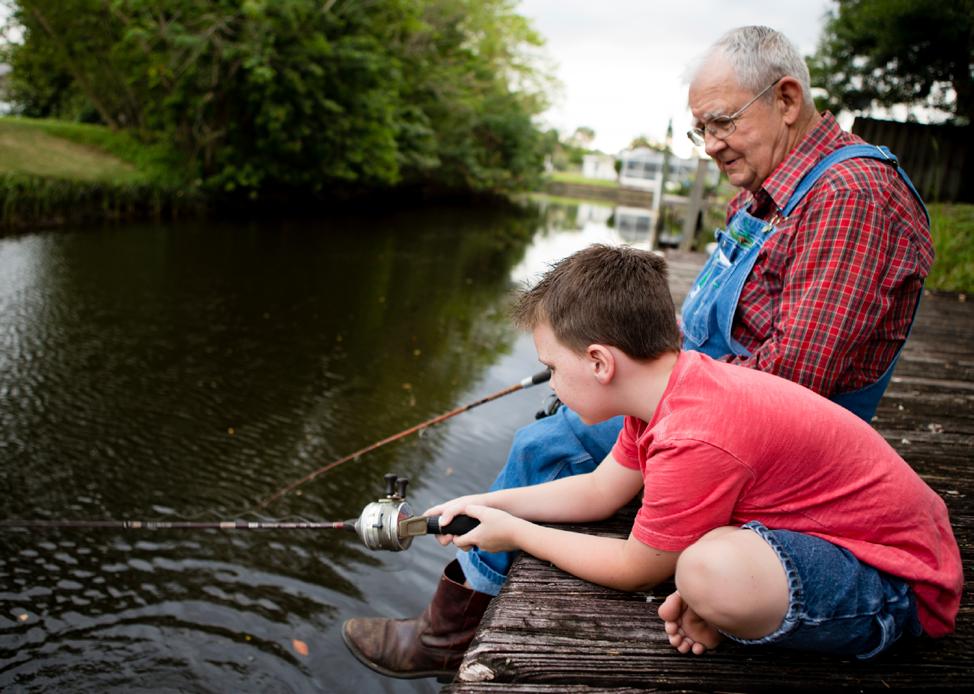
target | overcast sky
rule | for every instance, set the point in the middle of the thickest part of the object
(621, 62)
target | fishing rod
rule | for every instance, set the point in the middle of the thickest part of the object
(388, 523)
(540, 377)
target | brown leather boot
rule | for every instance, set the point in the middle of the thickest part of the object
(431, 645)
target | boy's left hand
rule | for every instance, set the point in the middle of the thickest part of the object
(497, 531)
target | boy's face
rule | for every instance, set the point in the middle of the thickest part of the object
(572, 376)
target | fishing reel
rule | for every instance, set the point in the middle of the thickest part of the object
(390, 523)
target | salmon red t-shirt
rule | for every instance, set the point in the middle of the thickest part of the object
(728, 445)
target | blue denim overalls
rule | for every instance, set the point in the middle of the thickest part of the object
(562, 445)
(708, 312)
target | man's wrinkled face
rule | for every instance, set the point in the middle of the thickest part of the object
(752, 152)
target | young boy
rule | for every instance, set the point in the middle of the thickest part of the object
(784, 518)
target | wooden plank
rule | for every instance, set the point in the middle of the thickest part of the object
(551, 632)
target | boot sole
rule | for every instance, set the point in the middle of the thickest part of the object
(442, 676)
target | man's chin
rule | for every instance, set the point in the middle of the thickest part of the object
(742, 179)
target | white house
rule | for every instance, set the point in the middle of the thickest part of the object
(641, 168)
(599, 166)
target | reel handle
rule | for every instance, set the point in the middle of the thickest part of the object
(458, 526)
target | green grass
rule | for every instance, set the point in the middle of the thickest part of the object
(54, 173)
(31, 151)
(82, 152)
(952, 228)
(576, 177)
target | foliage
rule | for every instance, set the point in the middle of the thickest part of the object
(567, 154)
(583, 136)
(297, 94)
(952, 229)
(644, 141)
(32, 201)
(888, 52)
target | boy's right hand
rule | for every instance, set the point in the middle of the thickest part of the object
(448, 510)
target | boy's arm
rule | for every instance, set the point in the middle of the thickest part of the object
(622, 564)
(579, 498)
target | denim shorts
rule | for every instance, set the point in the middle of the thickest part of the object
(836, 604)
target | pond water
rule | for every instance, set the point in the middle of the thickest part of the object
(189, 370)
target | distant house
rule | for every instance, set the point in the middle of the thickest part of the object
(641, 168)
(602, 166)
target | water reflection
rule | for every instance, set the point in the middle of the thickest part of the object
(189, 370)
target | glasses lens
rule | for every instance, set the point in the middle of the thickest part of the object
(721, 127)
(696, 137)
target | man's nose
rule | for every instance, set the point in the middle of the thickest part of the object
(712, 144)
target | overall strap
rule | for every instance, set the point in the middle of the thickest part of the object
(849, 152)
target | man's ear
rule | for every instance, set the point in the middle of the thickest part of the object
(603, 363)
(790, 99)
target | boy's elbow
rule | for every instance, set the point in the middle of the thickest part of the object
(637, 584)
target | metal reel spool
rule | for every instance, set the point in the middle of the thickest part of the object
(378, 526)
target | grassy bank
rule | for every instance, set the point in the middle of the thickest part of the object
(577, 177)
(952, 228)
(54, 173)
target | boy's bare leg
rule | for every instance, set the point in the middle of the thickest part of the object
(684, 627)
(730, 580)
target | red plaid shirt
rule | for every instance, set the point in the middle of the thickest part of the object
(832, 294)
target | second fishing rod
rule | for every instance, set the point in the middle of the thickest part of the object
(388, 523)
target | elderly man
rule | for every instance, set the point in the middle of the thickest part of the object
(816, 279)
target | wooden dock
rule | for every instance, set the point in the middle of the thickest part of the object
(548, 632)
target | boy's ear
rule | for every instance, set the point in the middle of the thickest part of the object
(603, 363)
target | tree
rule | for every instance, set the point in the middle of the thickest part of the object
(889, 52)
(644, 141)
(583, 137)
(297, 94)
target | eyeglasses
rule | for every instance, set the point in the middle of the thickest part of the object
(723, 127)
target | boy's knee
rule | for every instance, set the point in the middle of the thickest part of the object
(733, 579)
(705, 576)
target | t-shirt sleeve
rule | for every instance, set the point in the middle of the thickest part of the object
(625, 451)
(691, 487)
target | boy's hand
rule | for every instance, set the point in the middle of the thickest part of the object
(497, 531)
(448, 510)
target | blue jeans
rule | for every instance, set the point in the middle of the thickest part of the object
(836, 604)
(548, 449)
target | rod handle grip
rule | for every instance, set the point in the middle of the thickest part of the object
(458, 526)
(541, 377)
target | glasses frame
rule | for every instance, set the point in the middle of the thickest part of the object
(726, 123)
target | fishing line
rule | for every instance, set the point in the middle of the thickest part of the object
(388, 523)
(540, 377)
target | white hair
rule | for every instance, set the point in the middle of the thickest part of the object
(758, 56)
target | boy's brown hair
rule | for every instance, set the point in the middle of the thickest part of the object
(611, 295)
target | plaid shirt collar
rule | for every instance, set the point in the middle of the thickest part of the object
(779, 186)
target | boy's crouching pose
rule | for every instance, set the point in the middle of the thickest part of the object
(785, 519)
